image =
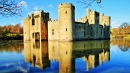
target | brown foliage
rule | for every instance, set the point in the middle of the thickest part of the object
(121, 31)
(16, 29)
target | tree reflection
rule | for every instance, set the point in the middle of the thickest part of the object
(123, 44)
(11, 46)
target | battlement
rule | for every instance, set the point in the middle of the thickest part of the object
(83, 20)
(92, 12)
(79, 19)
(66, 5)
(56, 60)
(37, 14)
(101, 14)
(108, 17)
(53, 20)
(65, 28)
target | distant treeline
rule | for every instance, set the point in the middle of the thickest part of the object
(122, 31)
(11, 32)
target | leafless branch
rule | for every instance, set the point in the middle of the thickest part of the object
(88, 3)
(9, 8)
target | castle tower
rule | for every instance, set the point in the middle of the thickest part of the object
(88, 13)
(65, 61)
(101, 19)
(66, 17)
(106, 27)
(36, 26)
(26, 27)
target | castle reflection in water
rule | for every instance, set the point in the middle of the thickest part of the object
(40, 54)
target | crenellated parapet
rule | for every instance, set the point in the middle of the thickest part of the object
(93, 25)
(65, 5)
(82, 20)
(53, 59)
(105, 20)
(53, 21)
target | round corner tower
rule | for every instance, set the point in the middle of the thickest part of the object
(66, 17)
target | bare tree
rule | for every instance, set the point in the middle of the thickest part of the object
(124, 27)
(88, 3)
(10, 8)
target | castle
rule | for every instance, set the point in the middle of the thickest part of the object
(94, 25)
(41, 54)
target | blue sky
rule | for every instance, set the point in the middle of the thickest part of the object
(117, 9)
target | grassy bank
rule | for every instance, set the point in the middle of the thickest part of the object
(10, 36)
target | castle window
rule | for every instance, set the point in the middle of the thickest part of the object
(33, 45)
(91, 33)
(91, 20)
(33, 21)
(25, 32)
(37, 44)
(101, 32)
(52, 31)
(66, 52)
(66, 29)
(53, 49)
(32, 35)
(65, 12)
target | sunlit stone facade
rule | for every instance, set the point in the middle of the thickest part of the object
(93, 25)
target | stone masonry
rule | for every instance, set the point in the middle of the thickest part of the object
(94, 25)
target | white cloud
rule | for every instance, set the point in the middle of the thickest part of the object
(21, 23)
(32, 12)
(35, 11)
(35, 8)
(22, 3)
(50, 5)
(115, 21)
(13, 23)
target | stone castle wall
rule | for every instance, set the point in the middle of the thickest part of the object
(92, 26)
(36, 26)
(26, 31)
(53, 30)
(66, 19)
(79, 31)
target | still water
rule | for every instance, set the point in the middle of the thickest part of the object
(100, 56)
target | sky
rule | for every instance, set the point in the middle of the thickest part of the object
(118, 10)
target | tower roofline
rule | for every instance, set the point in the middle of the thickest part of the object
(66, 5)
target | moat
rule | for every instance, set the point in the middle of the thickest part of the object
(99, 56)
